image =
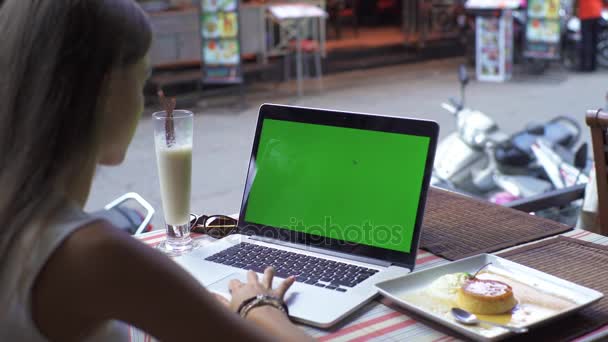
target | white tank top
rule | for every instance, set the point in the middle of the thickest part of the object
(28, 254)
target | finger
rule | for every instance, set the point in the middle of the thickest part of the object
(284, 286)
(234, 285)
(222, 299)
(252, 277)
(268, 275)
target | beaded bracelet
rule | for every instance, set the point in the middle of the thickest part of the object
(261, 300)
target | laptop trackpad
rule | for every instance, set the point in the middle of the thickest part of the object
(222, 286)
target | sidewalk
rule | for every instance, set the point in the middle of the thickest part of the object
(223, 133)
(347, 58)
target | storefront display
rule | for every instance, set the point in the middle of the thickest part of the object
(494, 60)
(220, 37)
(543, 29)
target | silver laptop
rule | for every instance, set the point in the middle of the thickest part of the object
(333, 198)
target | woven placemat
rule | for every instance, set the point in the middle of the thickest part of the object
(456, 226)
(580, 262)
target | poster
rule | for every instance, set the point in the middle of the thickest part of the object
(543, 29)
(490, 54)
(494, 61)
(220, 37)
(544, 9)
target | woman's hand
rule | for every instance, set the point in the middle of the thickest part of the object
(241, 292)
(267, 317)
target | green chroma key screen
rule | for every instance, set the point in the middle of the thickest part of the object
(348, 184)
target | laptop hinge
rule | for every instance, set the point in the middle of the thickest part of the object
(358, 258)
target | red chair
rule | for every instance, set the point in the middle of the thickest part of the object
(339, 11)
(385, 5)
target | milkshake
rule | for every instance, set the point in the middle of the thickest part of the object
(173, 140)
(175, 172)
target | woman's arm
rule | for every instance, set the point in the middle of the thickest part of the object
(100, 273)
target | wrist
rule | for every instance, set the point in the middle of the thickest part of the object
(265, 312)
(261, 300)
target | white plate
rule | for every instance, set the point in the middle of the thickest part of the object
(404, 291)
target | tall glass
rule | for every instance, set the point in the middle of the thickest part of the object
(173, 141)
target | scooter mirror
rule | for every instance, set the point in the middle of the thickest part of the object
(463, 75)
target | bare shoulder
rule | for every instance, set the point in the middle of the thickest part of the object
(96, 243)
(85, 249)
(92, 251)
(67, 290)
(98, 258)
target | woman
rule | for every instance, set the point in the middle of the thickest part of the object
(72, 76)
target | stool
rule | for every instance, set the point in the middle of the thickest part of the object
(311, 52)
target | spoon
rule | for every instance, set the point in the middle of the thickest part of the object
(467, 318)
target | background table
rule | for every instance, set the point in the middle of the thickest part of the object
(378, 320)
(293, 19)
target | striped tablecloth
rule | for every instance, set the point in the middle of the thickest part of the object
(377, 321)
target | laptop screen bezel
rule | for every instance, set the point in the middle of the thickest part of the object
(400, 125)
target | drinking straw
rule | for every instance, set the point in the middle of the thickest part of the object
(169, 106)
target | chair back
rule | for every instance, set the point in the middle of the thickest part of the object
(597, 120)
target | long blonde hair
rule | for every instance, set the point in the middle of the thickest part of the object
(54, 57)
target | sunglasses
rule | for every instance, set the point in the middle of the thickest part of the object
(216, 226)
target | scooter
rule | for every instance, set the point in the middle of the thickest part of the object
(480, 160)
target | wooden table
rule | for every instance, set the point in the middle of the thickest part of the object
(378, 321)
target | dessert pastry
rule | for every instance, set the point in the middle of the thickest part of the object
(486, 297)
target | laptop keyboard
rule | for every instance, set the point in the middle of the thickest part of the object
(319, 272)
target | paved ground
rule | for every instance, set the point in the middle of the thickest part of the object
(224, 133)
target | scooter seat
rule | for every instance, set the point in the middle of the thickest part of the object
(509, 154)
